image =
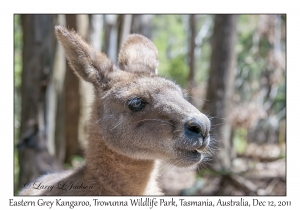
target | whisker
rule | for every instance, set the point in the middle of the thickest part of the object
(117, 125)
(181, 130)
(155, 120)
(97, 121)
(216, 117)
(165, 167)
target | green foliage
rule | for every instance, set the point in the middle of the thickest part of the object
(16, 171)
(239, 140)
(75, 161)
(202, 61)
(17, 85)
(17, 50)
(178, 70)
(253, 62)
(248, 67)
(17, 72)
(169, 36)
(280, 100)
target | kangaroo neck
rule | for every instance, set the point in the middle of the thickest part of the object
(116, 174)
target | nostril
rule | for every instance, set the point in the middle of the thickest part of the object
(194, 127)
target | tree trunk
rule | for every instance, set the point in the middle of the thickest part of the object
(95, 31)
(142, 24)
(111, 37)
(124, 27)
(90, 28)
(71, 105)
(221, 85)
(191, 80)
(38, 55)
(58, 80)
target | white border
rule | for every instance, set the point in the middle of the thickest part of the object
(187, 6)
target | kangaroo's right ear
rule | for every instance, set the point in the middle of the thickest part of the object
(138, 55)
(86, 62)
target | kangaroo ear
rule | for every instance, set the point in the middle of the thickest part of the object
(87, 63)
(138, 55)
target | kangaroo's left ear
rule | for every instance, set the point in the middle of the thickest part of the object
(138, 55)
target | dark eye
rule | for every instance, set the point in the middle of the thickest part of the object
(136, 104)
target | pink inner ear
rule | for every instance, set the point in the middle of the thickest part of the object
(138, 55)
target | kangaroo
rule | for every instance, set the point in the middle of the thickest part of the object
(138, 119)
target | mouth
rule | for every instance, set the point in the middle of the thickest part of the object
(199, 151)
(191, 155)
(195, 151)
(191, 152)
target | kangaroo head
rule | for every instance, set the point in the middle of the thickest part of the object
(137, 113)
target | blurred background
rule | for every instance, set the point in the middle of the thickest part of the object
(233, 67)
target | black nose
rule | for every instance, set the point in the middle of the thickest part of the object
(196, 127)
